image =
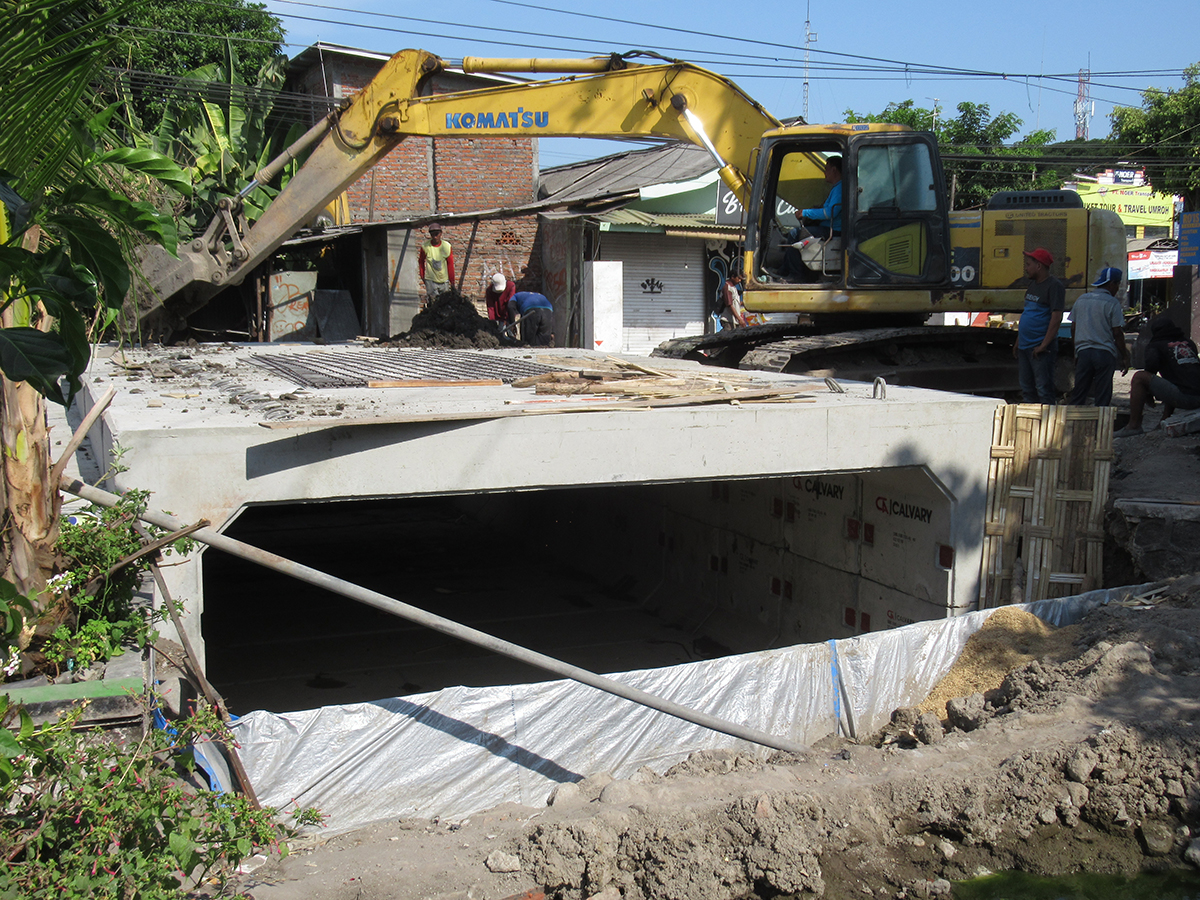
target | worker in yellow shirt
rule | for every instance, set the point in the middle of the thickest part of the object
(436, 264)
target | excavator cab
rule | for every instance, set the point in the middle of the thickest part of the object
(893, 225)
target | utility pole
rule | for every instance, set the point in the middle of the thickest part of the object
(810, 38)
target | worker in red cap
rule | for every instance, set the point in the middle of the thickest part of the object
(1037, 334)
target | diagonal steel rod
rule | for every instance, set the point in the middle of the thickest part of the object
(439, 623)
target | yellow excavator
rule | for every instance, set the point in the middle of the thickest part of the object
(899, 254)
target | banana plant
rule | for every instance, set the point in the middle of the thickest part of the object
(224, 132)
(74, 203)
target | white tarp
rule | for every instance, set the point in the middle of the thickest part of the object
(460, 750)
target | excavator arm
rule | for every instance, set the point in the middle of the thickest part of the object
(605, 97)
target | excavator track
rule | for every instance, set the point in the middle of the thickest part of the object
(962, 359)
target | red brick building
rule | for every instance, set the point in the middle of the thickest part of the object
(456, 180)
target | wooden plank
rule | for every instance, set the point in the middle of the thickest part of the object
(423, 382)
(546, 377)
(563, 388)
(629, 364)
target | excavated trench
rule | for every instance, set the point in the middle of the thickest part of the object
(521, 567)
(611, 579)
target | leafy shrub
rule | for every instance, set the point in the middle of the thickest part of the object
(85, 818)
(95, 593)
(14, 607)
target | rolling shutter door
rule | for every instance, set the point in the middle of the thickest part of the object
(663, 287)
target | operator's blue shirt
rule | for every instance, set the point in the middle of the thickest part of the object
(830, 214)
(527, 300)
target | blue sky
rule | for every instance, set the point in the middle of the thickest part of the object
(1024, 59)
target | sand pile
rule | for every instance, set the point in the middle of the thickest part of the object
(1009, 639)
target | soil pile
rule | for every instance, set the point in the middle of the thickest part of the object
(1010, 638)
(1087, 760)
(450, 321)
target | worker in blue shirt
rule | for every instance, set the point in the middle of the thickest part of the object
(826, 220)
(535, 315)
(828, 216)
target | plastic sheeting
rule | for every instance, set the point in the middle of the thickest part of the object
(456, 751)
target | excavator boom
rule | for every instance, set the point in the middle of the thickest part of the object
(609, 97)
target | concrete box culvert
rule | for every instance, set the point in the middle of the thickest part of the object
(610, 579)
(741, 525)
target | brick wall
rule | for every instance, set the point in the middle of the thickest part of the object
(501, 245)
(425, 176)
(398, 186)
(474, 173)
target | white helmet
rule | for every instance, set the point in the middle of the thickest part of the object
(498, 282)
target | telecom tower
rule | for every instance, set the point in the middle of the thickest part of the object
(1084, 108)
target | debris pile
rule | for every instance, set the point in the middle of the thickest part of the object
(1009, 639)
(627, 380)
(450, 321)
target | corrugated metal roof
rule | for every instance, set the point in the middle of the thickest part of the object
(674, 224)
(625, 172)
(1160, 243)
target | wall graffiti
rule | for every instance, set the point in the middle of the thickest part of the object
(724, 259)
(290, 296)
(554, 262)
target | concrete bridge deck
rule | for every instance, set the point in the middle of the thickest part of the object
(792, 491)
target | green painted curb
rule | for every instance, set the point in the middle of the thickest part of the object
(83, 690)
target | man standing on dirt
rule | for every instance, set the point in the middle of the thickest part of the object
(536, 317)
(1098, 332)
(436, 264)
(1037, 334)
(1172, 354)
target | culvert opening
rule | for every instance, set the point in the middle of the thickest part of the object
(608, 578)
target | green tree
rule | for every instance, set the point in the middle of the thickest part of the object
(1165, 134)
(67, 230)
(977, 159)
(171, 38)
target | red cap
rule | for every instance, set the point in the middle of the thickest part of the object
(433, 226)
(1042, 255)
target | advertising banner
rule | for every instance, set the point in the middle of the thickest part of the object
(1135, 205)
(1152, 264)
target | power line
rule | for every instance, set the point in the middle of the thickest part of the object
(834, 66)
(750, 61)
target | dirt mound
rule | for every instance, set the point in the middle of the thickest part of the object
(451, 321)
(1010, 638)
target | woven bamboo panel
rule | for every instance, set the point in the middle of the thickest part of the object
(1047, 486)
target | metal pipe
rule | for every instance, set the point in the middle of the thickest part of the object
(473, 64)
(438, 623)
(268, 172)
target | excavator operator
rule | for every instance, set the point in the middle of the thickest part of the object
(829, 216)
(825, 219)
